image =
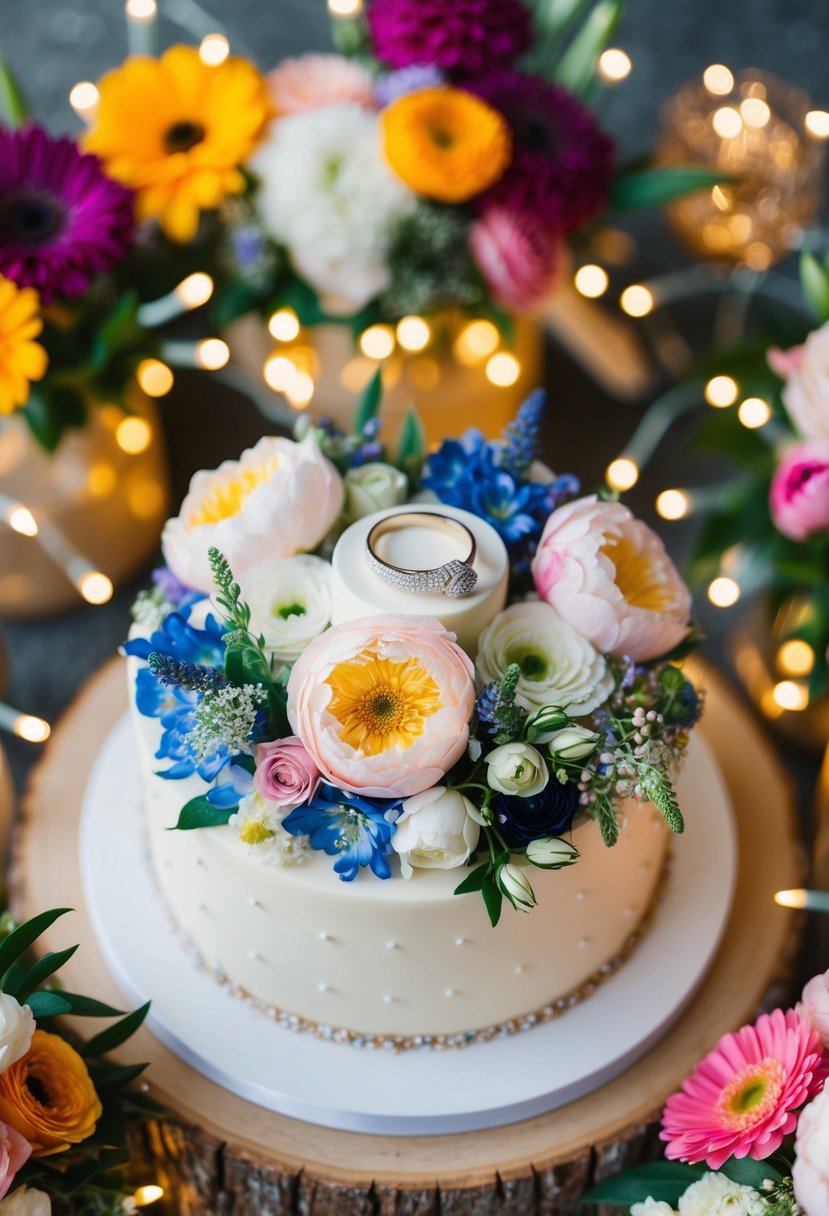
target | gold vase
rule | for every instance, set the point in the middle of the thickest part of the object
(452, 381)
(99, 501)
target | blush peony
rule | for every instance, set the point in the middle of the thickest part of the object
(609, 576)
(310, 81)
(799, 497)
(811, 1169)
(277, 499)
(806, 392)
(383, 704)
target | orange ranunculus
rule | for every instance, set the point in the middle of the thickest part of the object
(48, 1096)
(445, 144)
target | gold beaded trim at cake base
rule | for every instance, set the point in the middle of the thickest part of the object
(437, 1042)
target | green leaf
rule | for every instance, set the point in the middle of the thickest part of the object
(24, 936)
(814, 280)
(199, 813)
(13, 108)
(654, 187)
(493, 899)
(750, 1173)
(664, 1181)
(369, 401)
(40, 971)
(47, 1004)
(115, 1077)
(86, 1007)
(474, 881)
(412, 447)
(577, 68)
(115, 1035)
(43, 419)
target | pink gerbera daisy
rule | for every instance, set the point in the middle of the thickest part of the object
(742, 1098)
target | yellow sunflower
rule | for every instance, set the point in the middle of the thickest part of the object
(21, 359)
(445, 144)
(176, 130)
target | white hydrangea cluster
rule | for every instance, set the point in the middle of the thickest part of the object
(712, 1195)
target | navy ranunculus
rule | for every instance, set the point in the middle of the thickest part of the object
(355, 830)
(549, 813)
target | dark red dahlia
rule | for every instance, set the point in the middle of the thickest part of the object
(561, 161)
(462, 36)
(61, 219)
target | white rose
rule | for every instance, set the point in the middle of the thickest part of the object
(435, 831)
(514, 883)
(558, 666)
(811, 1169)
(518, 769)
(716, 1195)
(290, 602)
(17, 1025)
(373, 487)
(551, 853)
(652, 1207)
(572, 742)
(26, 1201)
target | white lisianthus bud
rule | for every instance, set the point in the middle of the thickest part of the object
(544, 721)
(373, 487)
(552, 853)
(515, 885)
(572, 743)
(517, 769)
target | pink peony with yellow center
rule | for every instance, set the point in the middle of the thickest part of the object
(742, 1098)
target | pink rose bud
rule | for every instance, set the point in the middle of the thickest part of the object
(285, 773)
(799, 498)
(517, 255)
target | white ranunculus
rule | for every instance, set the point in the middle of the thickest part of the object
(26, 1201)
(572, 742)
(290, 602)
(551, 853)
(373, 487)
(435, 831)
(517, 769)
(716, 1195)
(811, 1169)
(277, 499)
(328, 195)
(652, 1207)
(17, 1025)
(558, 665)
(514, 883)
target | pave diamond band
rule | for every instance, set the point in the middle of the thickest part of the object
(455, 578)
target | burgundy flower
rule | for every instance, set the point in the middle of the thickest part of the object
(463, 36)
(561, 161)
(61, 219)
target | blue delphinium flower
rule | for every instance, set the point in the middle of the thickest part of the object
(236, 783)
(178, 639)
(175, 592)
(355, 830)
(521, 442)
(449, 468)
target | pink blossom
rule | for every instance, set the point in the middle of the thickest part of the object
(285, 773)
(811, 1169)
(383, 703)
(311, 81)
(742, 1098)
(15, 1151)
(814, 1006)
(608, 575)
(799, 497)
(517, 255)
(806, 391)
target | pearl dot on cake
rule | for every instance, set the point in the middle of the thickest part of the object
(323, 987)
(254, 902)
(325, 936)
(583, 943)
(645, 868)
(451, 992)
(392, 946)
(520, 968)
(630, 911)
(254, 954)
(460, 941)
(387, 998)
(580, 895)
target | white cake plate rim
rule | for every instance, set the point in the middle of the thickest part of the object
(421, 1092)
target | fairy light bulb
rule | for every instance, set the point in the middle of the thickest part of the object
(212, 354)
(591, 281)
(754, 412)
(195, 290)
(300, 390)
(20, 519)
(345, 8)
(141, 10)
(284, 325)
(718, 79)
(502, 369)
(673, 504)
(84, 98)
(95, 587)
(795, 658)
(791, 695)
(622, 473)
(154, 377)
(723, 591)
(816, 123)
(636, 300)
(32, 729)
(413, 333)
(279, 371)
(133, 435)
(727, 122)
(755, 112)
(214, 49)
(377, 342)
(143, 1196)
(721, 391)
(614, 65)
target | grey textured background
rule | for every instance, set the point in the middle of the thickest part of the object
(53, 43)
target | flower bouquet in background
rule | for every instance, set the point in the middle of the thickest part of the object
(64, 1110)
(748, 1134)
(415, 193)
(379, 740)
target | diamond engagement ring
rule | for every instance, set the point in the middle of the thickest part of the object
(455, 578)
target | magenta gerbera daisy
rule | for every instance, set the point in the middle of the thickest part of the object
(742, 1098)
(562, 161)
(61, 219)
(464, 36)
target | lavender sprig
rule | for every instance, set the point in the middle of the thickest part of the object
(521, 436)
(195, 677)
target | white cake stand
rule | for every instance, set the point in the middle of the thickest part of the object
(420, 1092)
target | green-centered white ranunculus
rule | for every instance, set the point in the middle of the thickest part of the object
(514, 884)
(716, 1195)
(558, 666)
(373, 487)
(517, 769)
(290, 602)
(572, 743)
(437, 830)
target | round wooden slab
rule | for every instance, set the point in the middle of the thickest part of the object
(221, 1155)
